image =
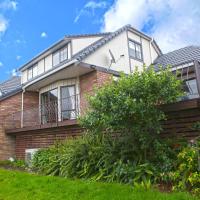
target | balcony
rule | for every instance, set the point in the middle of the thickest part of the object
(51, 114)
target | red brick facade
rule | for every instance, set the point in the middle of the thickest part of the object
(43, 137)
(181, 117)
(8, 106)
(87, 84)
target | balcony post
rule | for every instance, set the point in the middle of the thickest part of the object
(197, 73)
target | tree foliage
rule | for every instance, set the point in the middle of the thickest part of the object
(131, 106)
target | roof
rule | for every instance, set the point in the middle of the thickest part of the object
(94, 46)
(106, 37)
(10, 87)
(178, 57)
(88, 35)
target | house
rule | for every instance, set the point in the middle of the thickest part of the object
(43, 104)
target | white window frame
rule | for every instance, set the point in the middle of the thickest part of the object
(30, 73)
(136, 46)
(63, 55)
(35, 73)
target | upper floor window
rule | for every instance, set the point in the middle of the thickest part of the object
(32, 72)
(60, 56)
(135, 50)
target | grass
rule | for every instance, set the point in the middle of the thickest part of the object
(19, 185)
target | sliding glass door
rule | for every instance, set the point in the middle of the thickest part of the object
(68, 102)
(49, 106)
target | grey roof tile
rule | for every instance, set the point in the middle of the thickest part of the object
(178, 57)
(9, 86)
(91, 48)
(88, 35)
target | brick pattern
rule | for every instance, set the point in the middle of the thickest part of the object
(31, 109)
(44, 138)
(88, 82)
(7, 108)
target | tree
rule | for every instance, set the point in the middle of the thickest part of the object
(131, 106)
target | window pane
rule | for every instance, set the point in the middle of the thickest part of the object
(49, 106)
(30, 73)
(68, 102)
(190, 88)
(35, 71)
(138, 51)
(56, 58)
(135, 50)
(63, 54)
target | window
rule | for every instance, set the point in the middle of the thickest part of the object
(68, 102)
(49, 106)
(63, 54)
(35, 70)
(30, 73)
(60, 56)
(135, 50)
(190, 87)
(56, 58)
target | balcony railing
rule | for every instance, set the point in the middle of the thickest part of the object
(52, 112)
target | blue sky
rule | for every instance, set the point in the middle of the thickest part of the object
(29, 26)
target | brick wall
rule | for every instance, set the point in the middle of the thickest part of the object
(7, 107)
(87, 84)
(43, 138)
(31, 109)
(10, 117)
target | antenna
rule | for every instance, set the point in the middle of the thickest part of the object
(113, 60)
(112, 57)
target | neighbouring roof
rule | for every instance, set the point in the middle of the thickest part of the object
(178, 57)
(10, 87)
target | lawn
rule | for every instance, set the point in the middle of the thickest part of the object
(19, 185)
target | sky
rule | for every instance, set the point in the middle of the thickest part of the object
(27, 27)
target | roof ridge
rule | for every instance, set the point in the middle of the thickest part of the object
(87, 35)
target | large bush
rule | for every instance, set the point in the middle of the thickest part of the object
(122, 133)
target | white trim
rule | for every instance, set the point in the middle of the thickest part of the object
(49, 73)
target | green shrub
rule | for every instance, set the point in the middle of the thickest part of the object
(122, 142)
(187, 175)
(16, 164)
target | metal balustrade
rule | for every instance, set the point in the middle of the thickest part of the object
(49, 113)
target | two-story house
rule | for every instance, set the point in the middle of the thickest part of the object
(44, 106)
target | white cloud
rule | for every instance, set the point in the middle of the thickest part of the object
(1, 64)
(3, 25)
(8, 5)
(173, 23)
(89, 9)
(5, 5)
(43, 35)
(18, 57)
